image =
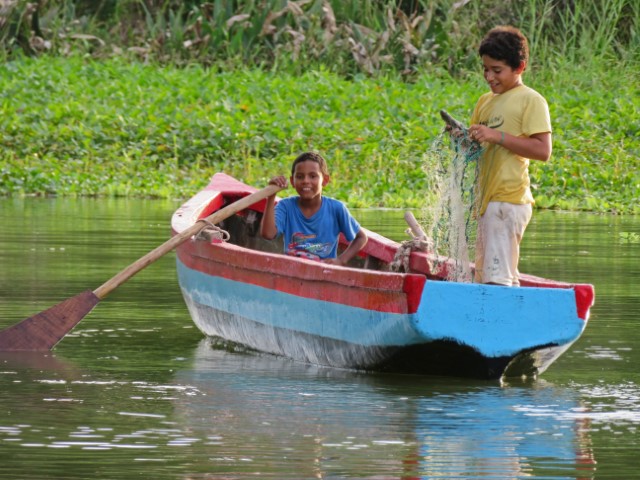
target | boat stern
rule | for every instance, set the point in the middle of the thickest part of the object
(516, 330)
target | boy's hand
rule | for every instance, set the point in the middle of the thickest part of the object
(480, 133)
(455, 132)
(452, 126)
(333, 261)
(464, 139)
(279, 180)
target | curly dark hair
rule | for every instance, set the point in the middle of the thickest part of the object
(506, 44)
(314, 157)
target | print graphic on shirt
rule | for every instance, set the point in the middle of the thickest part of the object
(303, 245)
(494, 122)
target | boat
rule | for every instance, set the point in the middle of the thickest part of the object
(370, 315)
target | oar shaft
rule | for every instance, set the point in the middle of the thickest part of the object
(216, 217)
(415, 226)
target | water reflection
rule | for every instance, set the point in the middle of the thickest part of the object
(539, 432)
(238, 415)
(63, 420)
(365, 425)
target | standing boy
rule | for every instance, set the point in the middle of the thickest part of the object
(512, 122)
(311, 223)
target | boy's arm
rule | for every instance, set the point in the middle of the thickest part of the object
(268, 228)
(536, 147)
(351, 251)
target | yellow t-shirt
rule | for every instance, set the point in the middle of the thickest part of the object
(503, 175)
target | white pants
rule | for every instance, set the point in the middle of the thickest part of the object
(500, 232)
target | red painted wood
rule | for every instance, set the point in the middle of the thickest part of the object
(233, 190)
(413, 287)
(585, 296)
(381, 291)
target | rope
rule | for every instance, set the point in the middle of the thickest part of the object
(211, 232)
(400, 260)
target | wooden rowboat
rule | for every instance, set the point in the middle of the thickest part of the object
(366, 316)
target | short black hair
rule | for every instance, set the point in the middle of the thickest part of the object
(314, 157)
(507, 44)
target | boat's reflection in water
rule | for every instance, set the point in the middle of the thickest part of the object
(259, 413)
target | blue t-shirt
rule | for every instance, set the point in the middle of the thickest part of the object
(315, 237)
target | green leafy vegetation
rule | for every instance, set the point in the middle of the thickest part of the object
(629, 237)
(127, 98)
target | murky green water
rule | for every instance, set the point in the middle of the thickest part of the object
(136, 392)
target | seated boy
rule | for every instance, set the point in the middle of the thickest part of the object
(311, 223)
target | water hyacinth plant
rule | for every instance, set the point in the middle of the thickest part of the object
(98, 93)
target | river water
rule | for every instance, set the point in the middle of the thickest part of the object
(135, 391)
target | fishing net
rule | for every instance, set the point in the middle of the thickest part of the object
(451, 165)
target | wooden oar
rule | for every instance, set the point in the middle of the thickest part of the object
(45, 329)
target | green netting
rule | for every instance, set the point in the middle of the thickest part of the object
(450, 221)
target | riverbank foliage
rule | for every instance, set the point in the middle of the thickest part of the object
(151, 98)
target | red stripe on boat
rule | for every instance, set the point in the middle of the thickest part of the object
(371, 290)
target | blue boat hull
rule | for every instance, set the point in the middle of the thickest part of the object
(438, 339)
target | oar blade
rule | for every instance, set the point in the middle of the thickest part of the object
(45, 329)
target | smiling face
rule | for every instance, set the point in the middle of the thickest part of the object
(500, 76)
(308, 180)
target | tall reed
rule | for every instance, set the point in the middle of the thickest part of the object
(346, 36)
(582, 32)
